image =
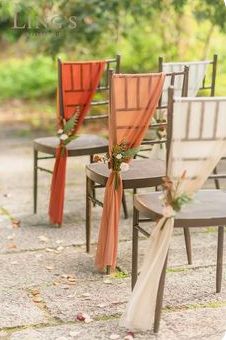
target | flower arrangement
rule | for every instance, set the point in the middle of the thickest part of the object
(118, 159)
(173, 196)
(66, 134)
(161, 131)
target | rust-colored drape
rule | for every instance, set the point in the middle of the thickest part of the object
(79, 81)
(134, 99)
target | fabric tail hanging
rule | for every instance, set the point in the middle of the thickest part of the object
(198, 144)
(134, 99)
(79, 81)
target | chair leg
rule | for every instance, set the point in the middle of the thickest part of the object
(135, 247)
(88, 213)
(91, 158)
(159, 299)
(216, 180)
(35, 181)
(220, 250)
(108, 270)
(126, 215)
(187, 237)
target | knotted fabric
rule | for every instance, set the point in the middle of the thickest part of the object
(79, 81)
(198, 143)
(134, 99)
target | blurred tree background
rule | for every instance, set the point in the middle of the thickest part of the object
(34, 33)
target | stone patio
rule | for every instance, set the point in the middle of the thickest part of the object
(47, 278)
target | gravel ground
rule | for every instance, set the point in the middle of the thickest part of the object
(47, 278)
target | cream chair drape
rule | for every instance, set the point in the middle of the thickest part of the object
(198, 143)
(197, 71)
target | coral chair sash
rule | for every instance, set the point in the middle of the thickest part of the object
(134, 99)
(198, 143)
(79, 81)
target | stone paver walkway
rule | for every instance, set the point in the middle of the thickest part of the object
(47, 278)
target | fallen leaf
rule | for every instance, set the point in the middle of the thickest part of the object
(11, 237)
(71, 283)
(59, 241)
(129, 336)
(84, 317)
(80, 317)
(102, 305)
(35, 291)
(64, 276)
(43, 238)
(15, 223)
(86, 295)
(108, 282)
(49, 250)
(74, 333)
(65, 287)
(60, 248)
(11, 246)
(114, 336)
(72, 295)
(37, 299)
(49, 267)
(55, 283)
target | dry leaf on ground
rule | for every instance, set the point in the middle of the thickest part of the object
(43, 238)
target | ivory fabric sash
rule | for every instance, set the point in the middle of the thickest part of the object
(198, 143)
(197, 71)
(79, 84)
(134, 99)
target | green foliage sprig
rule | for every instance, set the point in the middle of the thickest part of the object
(119, 158)
(66, 134)
(174, 198)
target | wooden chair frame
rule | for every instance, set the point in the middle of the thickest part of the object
(103, 87)
(94, 180)
(150, 217)
(212, 84)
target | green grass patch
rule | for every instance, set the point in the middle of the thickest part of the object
(193, 306)
(176, 270)
(119, 274)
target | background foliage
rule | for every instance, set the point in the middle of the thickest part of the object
(140, 30)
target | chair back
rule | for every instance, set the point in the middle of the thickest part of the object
(133, 101)
(196, 134)
(159, 122)
(98, 107)
(202, 74)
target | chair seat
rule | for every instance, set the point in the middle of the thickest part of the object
(83, 145)
(142, 173)
(208, 208)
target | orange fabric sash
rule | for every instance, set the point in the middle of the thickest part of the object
(134, 99)
(79, 84)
